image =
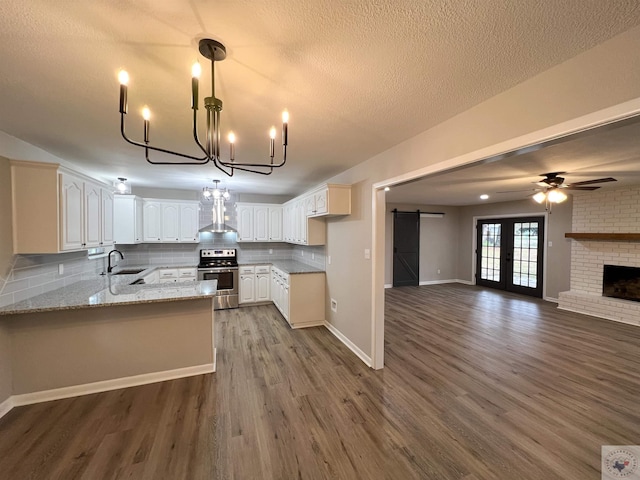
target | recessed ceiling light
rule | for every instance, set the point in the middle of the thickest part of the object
(484, 196)
(386, 189)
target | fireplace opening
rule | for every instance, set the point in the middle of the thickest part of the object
(621, 282)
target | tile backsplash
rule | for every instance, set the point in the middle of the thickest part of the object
(33, 275)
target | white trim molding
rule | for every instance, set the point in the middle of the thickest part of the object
(349, 344)
(6, 406)
(105, 386)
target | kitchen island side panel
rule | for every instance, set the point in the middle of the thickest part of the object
(66, 348)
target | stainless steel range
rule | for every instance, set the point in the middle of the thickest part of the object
(221, 265)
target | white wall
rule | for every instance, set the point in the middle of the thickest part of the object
(602, 77)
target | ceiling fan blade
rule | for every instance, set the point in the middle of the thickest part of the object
(572, 187)
(597, 180)
(520, 191)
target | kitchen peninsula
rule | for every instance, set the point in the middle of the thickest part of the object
(104, 333)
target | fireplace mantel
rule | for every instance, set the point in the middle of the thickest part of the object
(604, 237)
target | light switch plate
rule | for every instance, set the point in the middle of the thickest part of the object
(367, 253)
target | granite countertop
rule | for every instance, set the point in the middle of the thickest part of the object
(109, 290)
(287, 266)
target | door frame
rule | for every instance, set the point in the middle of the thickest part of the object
(545, 243)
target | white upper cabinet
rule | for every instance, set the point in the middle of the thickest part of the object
(275, 224)
(93, 220)
(170, 221)
(67, 212)
(128, 223)
(189, 222)
(245, 223)
(106, 211)
(71, 212)
(152, 221)
(259, 222)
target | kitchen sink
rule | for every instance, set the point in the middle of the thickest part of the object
(131, 271)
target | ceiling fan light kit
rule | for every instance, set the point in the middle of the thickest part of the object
(215, 52)
(553, 184)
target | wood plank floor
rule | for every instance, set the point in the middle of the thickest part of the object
(478, 384)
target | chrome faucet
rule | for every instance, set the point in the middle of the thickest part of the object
(109, 267)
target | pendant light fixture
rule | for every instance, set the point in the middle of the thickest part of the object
(209, 194)
(215, 52)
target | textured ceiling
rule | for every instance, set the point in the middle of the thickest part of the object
(357, 77)
(609, 151)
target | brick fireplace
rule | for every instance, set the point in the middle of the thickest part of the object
(613, 211)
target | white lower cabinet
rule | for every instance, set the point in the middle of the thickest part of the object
(254, 285)
(299, 297)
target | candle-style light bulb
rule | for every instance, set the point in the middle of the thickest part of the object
(146, 115)
(196, 70)
(123, 78)
(232, 147)
(285, 127)
(272, 136)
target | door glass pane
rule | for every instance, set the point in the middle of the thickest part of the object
(525, 254)
(490, 252)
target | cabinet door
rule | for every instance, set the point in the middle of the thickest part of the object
(310, 205)
(189, 223)
(275, 224)
(321, 201)
(106, 211)
(261, 224)
(124, 219)
(301, 216)
(152, 221)
(274, 289)
(139, 223)
(245, 288)
(170, 222)
(285, 300)
(71, 210)
(245, 224)
(262, 287)
(93, 222)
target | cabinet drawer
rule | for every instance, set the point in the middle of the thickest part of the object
(248, 270)
(263, 268)
(168, 273)
(187, 274)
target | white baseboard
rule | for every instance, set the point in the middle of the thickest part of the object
(6, 406)
(349, 344)
(107, 385)
(551, 299)
(319, 323)
(465, 282)
(388, 285)
(436, 282)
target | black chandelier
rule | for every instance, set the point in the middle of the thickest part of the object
(214, 51)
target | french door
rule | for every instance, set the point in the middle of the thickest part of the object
(509, 254)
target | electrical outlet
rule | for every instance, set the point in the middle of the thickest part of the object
(334, 305)
(60, 268)
(313, 256)
(367, 253)
(438, 271)
(302, 253)
(329, 260)
(271, 251)
(550, 243)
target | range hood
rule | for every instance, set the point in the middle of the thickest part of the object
(217, 225)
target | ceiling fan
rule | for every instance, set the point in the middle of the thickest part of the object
(553, 180)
